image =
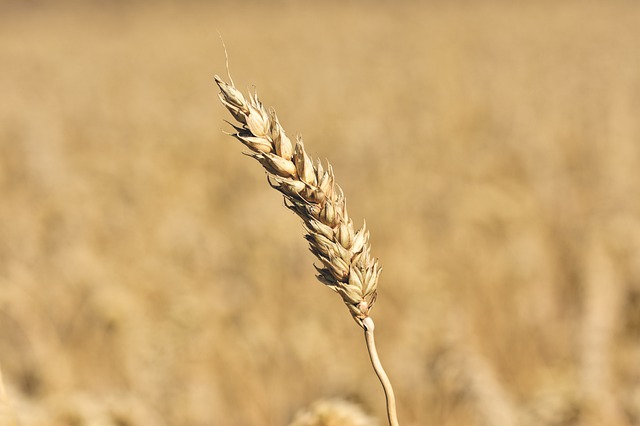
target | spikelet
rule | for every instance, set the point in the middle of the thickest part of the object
(309, 190)
(333, 412)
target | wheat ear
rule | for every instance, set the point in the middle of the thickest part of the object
(310, 191)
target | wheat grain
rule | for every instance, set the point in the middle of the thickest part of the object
(311, 192)
(333, 412)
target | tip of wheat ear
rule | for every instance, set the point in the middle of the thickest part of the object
(310, 191)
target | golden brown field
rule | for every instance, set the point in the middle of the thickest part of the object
(149, 275)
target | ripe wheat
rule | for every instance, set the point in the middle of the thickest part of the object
(7, 417)
(310, 191)
(333, 412)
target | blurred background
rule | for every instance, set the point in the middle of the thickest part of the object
(149, 275)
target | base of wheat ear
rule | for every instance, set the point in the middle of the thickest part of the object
(310, 191)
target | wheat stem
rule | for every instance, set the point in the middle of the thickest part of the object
(369, 328)
(7, 417)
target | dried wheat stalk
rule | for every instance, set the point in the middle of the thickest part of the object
(310, 191)
(7, 417)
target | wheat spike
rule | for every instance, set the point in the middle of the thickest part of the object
(310, 191)
(333, 412)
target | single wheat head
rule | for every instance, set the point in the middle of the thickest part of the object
(309, 190)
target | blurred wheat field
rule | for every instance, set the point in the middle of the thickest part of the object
(148, 275)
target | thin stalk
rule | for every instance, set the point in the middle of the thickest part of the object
(7, 417)
(369, 327)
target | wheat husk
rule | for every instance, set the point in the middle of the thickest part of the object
(309, 189)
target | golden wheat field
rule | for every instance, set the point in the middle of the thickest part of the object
(150, 276)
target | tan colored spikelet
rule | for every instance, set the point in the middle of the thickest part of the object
(310, 191)
(333, 412)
